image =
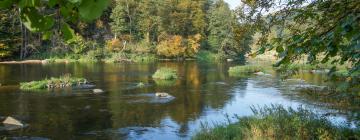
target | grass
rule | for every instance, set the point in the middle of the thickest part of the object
(61, 82)
(277, 122)
(244, 70)
(165, 74)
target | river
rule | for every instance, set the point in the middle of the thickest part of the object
(204, 95)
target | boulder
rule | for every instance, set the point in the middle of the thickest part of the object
(229, 60)
(162, 95)
(259, 73)
(44, 61)
(98, 91)
(12, 121)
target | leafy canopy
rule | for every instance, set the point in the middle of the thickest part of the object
(38, 20)
(322, 30)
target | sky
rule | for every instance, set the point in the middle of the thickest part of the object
(233, 3)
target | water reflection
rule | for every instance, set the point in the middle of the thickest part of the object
(204, 93)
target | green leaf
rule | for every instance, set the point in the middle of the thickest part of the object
(47, 35)
(29, 3)
(76, 1)
(52, 3)
(6, 3)
(36, 22)
(92, 9)
(67, 31)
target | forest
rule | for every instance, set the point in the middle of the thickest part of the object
(126, 30)
(180, 69)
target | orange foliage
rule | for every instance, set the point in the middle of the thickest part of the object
(114, 45)
(177, 46)
(173, 46)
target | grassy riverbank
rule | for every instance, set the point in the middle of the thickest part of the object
(276, 122)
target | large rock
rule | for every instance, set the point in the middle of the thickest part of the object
(162, 95)
(229, 60)
(98, 91)
(259, 73)
(12, 121)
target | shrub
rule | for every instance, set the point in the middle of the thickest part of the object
(276, 122)
(114, 45)
(207, 56)
(77, 44)
(246, 69)
(172, 47)
(165, 74)
(4, 51)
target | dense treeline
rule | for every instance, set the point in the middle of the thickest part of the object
(128, 29)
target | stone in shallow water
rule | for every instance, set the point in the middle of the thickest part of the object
(98, 91)
(12, 121)
(162, 95)
(259, 73)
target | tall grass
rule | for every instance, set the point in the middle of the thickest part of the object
(165, 74)
(278, 123)
(244, 70)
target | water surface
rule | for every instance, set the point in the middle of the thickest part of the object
(204, 93)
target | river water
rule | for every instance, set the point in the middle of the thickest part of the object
(204, 95)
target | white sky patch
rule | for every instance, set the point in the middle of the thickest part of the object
(233, 3)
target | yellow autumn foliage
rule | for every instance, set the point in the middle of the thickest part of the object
(114, 45)
(177, 46)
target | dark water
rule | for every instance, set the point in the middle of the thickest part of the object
(204, 93)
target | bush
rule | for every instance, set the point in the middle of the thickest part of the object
(241, 70)
(165, 74)
(276, 122)
(61, 82)
(207, 56)
(114, 45)
(77, 44)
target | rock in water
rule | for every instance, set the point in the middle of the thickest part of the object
(259, 73)
(98, 91)
(162, 95)
(229, 60)
(12, 121)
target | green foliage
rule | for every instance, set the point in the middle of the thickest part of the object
(77, 44)
(226, 36)
(277, 122)
(33, 17)
(207, 56)
(165, 74)
(5, 51)
(244, 70)
(61, 82)
(319, 28)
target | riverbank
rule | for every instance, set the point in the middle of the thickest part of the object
(277, 122)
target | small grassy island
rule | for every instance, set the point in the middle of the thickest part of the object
(243, 70)
(54, 83)
(165, 74)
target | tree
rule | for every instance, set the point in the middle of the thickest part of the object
(125, 16)
(326, 30)
(225, 32)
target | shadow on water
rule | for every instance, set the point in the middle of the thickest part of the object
(203, 93)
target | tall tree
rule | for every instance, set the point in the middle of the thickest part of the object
(322, 30)
(224, 32)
